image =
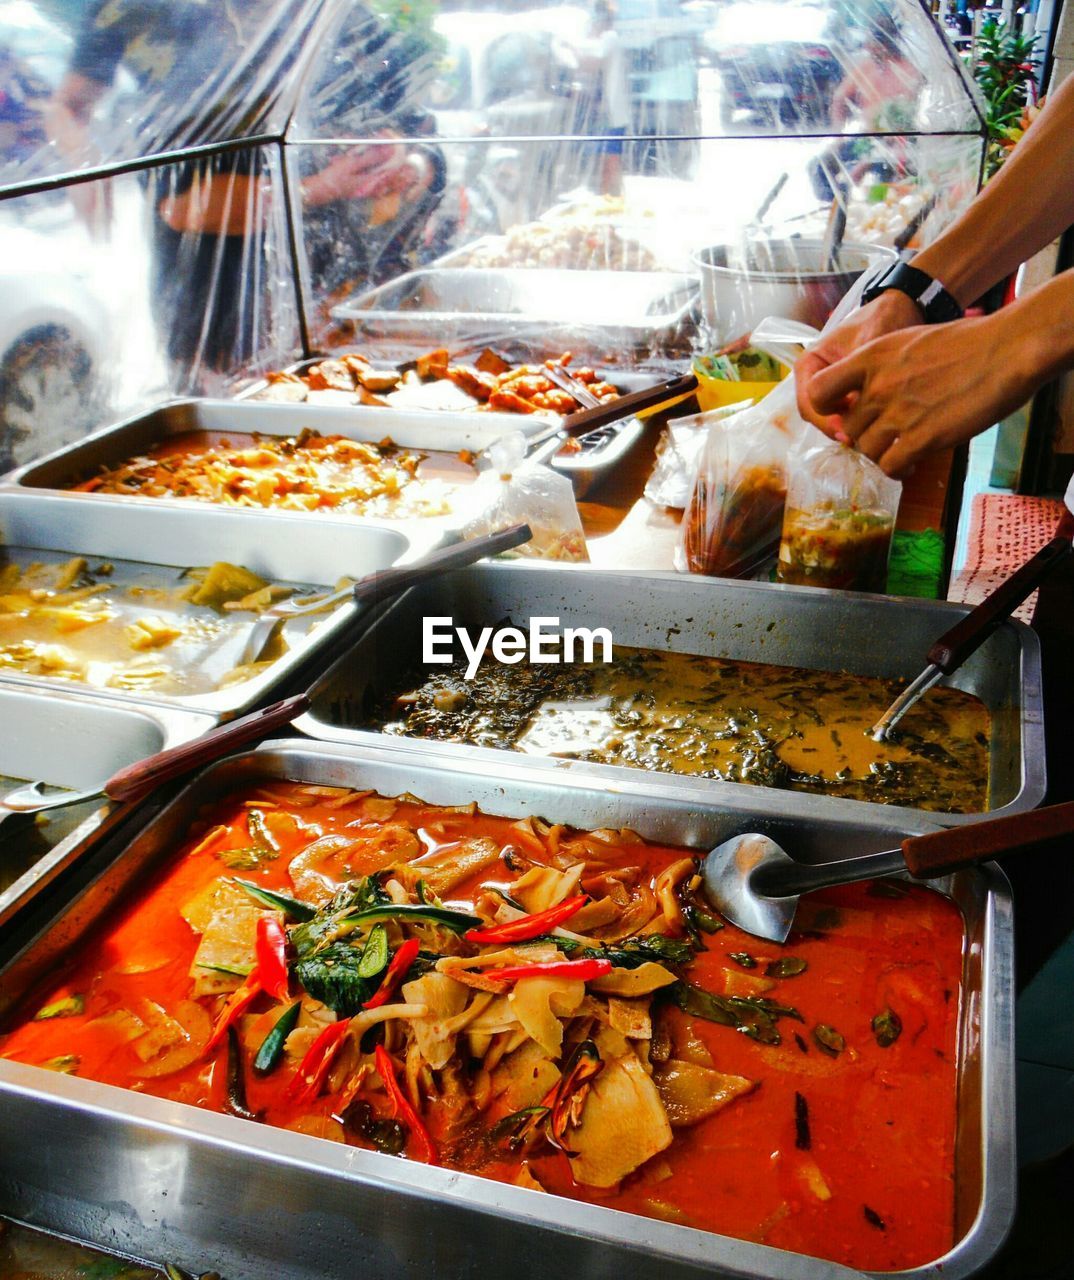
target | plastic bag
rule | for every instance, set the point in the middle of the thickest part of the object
(678, 455)
(839, 518)
(513, 491)
(734, 521)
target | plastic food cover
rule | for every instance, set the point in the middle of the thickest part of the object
(194, 193)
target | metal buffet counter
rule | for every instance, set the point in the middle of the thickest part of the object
(154, 1178)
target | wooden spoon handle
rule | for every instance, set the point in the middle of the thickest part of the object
(138, 779)
(966, 637)
(390, 582)
(942, 851)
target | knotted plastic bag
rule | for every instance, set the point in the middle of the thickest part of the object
(734, 521)
(514, 491)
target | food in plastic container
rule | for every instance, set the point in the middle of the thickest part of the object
(839, 519)
(733, 521)
(514, 491)
(840, 547)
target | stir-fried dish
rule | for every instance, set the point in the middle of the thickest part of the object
(307, 472)
(117, 624)
(715, 718)
(555, 1008)
(436, 380)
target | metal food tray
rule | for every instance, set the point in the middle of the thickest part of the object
(418, 429)
(150, 1177)
(755, 622)
(624, 307)
(76, 743)
(181, 535)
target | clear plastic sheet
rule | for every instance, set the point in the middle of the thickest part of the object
(107, 307)
(539, 176)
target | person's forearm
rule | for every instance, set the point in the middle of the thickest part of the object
(1022, 209)
(1041, 328)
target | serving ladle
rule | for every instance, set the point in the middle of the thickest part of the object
(962, 640)
(384, 583)
(138, 779)
(755, 884)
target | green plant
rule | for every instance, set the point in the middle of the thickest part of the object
(1004, 67)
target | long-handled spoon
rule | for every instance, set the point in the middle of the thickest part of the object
(384, 583)
(755, 884)
(966, 637)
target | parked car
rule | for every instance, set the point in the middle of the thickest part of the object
(775, 62)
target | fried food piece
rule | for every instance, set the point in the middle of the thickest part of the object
(330, 375)
(490, 361)
(433, 364)
(479, 385)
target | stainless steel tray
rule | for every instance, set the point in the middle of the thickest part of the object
(155, 1178)
(757, 622)
(416, 429)
(624, 307)
(178, 535)
(78, 743)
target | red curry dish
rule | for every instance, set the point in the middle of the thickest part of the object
(553, 1008)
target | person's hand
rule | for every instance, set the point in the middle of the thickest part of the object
(364, 173)
(887, 314)
(909, 393)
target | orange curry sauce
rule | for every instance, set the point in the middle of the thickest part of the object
(875, 1187)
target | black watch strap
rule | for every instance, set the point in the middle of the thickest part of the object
(936, 304)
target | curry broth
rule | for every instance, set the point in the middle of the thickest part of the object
(716, 718)
(843, 1148)
(123, 624)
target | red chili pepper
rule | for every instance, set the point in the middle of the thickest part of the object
(402, 1108)
(272, 957)
(401, 962)
(531, 926)
(306, 1083)
(584, 970)
(236, 1005)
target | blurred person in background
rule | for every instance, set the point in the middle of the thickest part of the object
(603, 60)
(878, 94)
(206, 72)
(907, 373)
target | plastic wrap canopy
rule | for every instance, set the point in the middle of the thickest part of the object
(193, 191)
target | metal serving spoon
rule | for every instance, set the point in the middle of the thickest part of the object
(755, 883)
(137, 780)
(966, 637)
(384, 583)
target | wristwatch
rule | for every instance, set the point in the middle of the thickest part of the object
(936, 304)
